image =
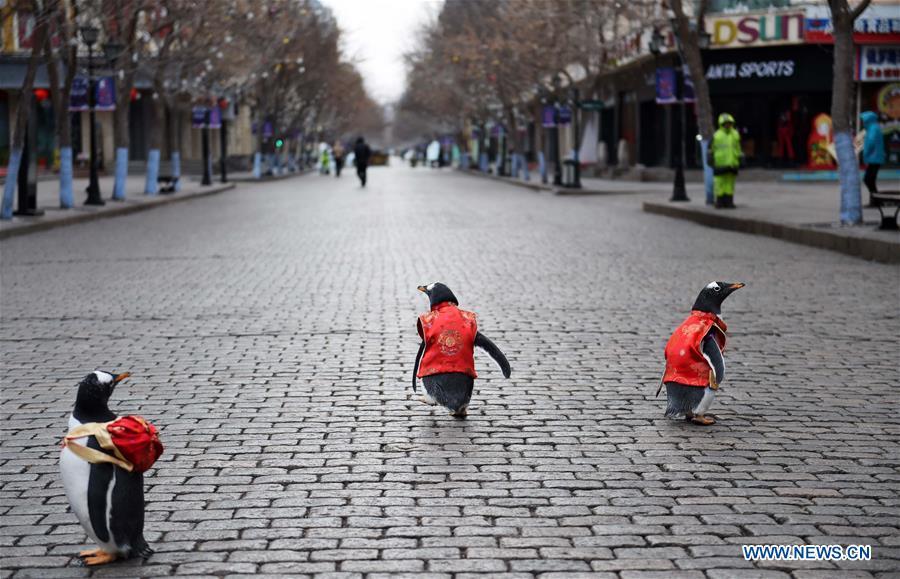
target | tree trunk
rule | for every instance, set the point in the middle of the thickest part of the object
(60, 95)
(22, 113)
(120, 133)
(842, 87)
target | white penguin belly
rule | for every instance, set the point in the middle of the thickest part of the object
(76, 474)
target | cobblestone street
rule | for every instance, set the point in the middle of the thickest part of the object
(270, 333)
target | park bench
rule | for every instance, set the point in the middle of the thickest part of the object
(887, 199)
(169, 183)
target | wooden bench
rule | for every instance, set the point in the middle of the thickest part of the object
(887, 199)
(169, 181)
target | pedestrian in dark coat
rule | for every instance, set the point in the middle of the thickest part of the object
(361, 154)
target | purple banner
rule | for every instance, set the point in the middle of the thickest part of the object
(198, 117)
(665, 86)
(565, 115)
(104, 94)
(548, 116)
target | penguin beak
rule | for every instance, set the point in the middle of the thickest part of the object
(422, 289)
(119, 377)
(735, 286)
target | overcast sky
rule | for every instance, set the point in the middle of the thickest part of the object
(376, 34)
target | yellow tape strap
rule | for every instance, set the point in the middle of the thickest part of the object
(97, 430)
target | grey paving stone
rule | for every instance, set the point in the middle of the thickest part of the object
(270, 332)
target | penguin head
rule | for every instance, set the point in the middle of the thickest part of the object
(438, 293)
(711, 297)
(95, 390)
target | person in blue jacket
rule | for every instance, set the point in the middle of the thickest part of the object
(873, 150)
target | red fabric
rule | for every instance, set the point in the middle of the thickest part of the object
(449, 335)
(137, 440)
(685, 363)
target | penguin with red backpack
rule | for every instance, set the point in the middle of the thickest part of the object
(695, 366)
(102, 464)
(446, 358)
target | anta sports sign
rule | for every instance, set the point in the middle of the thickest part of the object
(755, 29)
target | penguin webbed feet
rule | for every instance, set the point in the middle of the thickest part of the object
(95, 557)
(701, 419)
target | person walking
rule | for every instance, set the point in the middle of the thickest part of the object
(337, 152)
(361, 154)
(726, 160)
(873, 151)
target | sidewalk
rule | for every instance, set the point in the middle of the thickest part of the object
(799, 213)
(135, 200)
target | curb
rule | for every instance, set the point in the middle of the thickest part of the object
(552, 189)
(114, 212)
(866, 248)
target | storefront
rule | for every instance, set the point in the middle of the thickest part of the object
(773, 93)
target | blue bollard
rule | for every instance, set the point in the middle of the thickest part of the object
(66, 198)
(151, 185)
(121, 173)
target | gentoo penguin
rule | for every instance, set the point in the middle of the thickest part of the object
(694, 363)
(446, 358)
(107, 500)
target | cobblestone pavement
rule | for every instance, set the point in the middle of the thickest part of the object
(270, 331)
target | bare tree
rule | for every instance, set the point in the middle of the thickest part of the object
(63, 16)
(41, 15)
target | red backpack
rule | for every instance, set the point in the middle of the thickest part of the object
(133, 441)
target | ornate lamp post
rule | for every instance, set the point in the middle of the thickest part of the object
(90, 34)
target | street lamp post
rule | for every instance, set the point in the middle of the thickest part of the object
(554, 142)
(223, 140)
(679, 191)
(89, 34)
(576, 184)
(207, 177)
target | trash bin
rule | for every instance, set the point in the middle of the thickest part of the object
(568, 173)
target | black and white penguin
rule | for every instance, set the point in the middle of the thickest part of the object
(695, 366)
(107, 500)
(445, 361)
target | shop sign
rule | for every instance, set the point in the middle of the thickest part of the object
(876, 25)
(878, 63)
(104, 94)
(764, 29)
(751, 70)
(591, 105)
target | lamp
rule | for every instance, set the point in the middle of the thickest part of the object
(656, 42)
(703, 39)
(90, 34)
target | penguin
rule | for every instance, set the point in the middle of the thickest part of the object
(695, 366)
(107, 500)
(446, 360)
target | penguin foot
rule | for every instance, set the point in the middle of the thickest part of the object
(426, 400)
(461, 413)
(100, 557)
(703, 420)
(88, 553)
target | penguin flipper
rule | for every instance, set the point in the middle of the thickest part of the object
(488, 346)
(714, 358)
(418, 360)
(101, 477)
(126, 521)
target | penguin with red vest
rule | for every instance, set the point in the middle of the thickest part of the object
(695, 366)
(446, 358)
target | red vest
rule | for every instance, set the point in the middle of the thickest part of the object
(449, 335)
(685, 363)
